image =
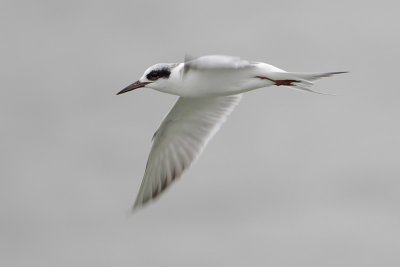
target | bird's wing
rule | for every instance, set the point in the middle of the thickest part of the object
(180, 139)
(215, 62)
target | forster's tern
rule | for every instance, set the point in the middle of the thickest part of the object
(209, 88)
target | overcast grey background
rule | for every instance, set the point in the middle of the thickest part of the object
(292, 179)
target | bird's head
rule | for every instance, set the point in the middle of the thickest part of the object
(156, 77)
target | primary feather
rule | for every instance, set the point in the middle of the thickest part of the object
(180, 139)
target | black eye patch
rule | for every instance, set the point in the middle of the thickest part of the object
(156, 74)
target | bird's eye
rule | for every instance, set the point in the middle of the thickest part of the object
(158, 73)
(153, 75)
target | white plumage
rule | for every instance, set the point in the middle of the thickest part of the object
(180, 139)
(209, 88)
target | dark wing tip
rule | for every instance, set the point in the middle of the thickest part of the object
(156, 193)
(338, 72)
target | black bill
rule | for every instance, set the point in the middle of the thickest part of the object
(133, 86)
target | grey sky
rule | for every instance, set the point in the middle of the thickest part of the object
(292, 179)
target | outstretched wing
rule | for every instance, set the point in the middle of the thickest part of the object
(180, 139)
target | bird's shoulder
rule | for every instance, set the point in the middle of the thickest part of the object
(215, 62)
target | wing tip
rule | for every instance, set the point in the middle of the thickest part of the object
(338, 72)
(138, 205)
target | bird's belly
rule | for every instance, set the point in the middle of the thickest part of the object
(213, 85)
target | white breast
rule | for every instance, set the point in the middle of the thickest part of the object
(217, 76)
(215, 82)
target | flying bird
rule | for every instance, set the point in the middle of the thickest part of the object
(209, 88)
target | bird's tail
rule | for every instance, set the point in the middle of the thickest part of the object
(300, 80)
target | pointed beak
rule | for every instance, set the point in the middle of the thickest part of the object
(133, 86)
